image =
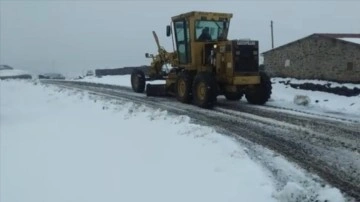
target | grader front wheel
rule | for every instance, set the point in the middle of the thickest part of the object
(204, 90)
(138, 81)
(261, 93)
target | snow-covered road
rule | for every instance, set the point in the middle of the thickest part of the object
(68, 145)
(323, 144)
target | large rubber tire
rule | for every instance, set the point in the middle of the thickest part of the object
(138, 81)
(233, 96)
(204, 90)
(261, 93)
(183, 87)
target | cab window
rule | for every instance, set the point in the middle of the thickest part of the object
(211, 30)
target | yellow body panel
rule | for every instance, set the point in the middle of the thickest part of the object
(245, 80)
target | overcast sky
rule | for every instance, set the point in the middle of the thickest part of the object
(74, 36)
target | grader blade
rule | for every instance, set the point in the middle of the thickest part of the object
(156, 90)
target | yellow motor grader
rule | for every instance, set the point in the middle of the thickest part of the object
(204, 63)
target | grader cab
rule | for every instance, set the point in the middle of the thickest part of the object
(205, 64)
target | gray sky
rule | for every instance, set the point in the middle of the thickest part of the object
(74, 36)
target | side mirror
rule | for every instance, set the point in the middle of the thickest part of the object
(168, 30)
(147, 55)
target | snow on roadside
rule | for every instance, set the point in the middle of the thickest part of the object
(113, 80)
(320, 102)
(12, 72)
(65, 145)
(121, 80)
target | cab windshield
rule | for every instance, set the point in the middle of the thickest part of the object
(211, 30)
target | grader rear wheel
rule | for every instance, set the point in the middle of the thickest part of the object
(261, 93)
(138, 81)
(204, 90)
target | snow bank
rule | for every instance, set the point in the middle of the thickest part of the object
(12, 72)
(321, 102)
(121, 80)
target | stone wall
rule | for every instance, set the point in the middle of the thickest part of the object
(315, 57)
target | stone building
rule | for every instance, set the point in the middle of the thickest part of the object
(334, 57)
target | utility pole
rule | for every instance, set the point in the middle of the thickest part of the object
(53, 65)
(272, 34)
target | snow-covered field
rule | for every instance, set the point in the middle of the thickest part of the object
(12, 73)
(283, 96)
(68, 145)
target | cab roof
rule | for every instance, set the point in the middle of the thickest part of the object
(202, 14)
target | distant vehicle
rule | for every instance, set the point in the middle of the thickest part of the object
(89, 73)
(51, 76)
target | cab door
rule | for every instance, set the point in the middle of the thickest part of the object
(182, 41)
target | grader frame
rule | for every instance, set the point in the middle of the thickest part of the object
(203, 68)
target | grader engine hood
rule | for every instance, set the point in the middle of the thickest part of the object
(245, 55)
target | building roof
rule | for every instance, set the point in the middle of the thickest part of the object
(353, 38)
(344, 37)
(339, 35)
